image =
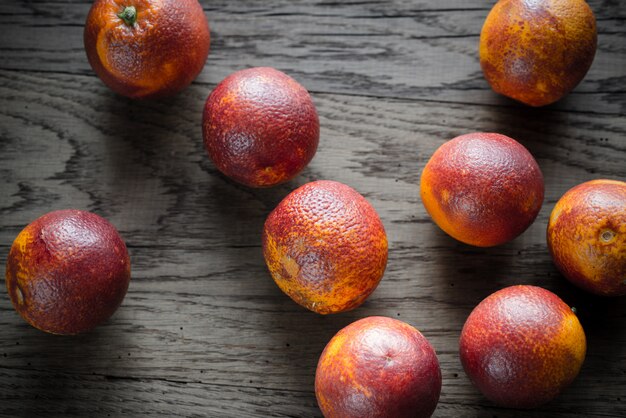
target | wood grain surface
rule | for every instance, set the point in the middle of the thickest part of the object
(204, 331)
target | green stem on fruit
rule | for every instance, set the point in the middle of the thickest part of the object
(129, 15)
(574, 310)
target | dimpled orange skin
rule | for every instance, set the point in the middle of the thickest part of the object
(482, 189)
(67, 271)
(325, 247)
(158, 56)
(378, 367)
(537, 51)
(521, 346)
(587, 236)
(260, 127)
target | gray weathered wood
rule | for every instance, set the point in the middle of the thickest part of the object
(203, 330)
(401, 49)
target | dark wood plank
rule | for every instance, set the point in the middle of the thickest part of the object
(401, 49)
(108, 395)
(204, 331)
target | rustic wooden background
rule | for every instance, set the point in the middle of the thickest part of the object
(204, 331)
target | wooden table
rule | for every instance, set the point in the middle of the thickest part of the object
(204, 331)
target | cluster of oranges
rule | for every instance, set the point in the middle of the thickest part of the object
(324, 244)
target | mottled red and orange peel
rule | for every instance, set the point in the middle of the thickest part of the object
(260, 127)
(159, 55)
(536, 52)
(483, 189)
(67, 272)
(587, 236)
(521, 346)
(378, 367)
(325, 247)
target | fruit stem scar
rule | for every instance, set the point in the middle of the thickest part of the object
(607, 235)
(129, 15)
(574, 310)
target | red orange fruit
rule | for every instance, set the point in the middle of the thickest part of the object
(260, 127)
(587, 236)
(521, 346)
(537, 51)
(325, 247)
(378, 367)
(147, 48)
(67, 271)
(483, 189)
